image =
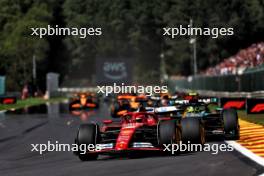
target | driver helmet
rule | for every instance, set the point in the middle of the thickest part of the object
(190, 109)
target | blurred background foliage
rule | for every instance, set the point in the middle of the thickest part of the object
(131, 29)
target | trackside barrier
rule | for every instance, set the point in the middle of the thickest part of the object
(255, 105)
(252, 81)
(77, 89)
(237, 103)
(2, 85)
(253, 102)
(68, 91)
(209, 93)
(8, 99)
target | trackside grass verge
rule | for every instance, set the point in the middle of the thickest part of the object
(30, 102)
(254, 118)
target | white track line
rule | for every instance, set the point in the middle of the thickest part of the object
(3, 111)
(247, 153)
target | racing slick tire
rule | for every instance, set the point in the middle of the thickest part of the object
(169, 132)
(192, 131)
(231, 125)
(88, 134)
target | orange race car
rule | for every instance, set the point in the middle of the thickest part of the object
(127, 103)
(84, 101)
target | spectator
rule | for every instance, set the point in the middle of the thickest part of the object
(246, 58)
(25, 92)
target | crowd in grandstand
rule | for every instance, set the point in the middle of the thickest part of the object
(246, 58)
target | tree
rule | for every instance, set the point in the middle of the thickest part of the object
(18, 46)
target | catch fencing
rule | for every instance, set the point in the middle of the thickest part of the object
(250, 81)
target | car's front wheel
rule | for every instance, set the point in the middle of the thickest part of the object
(87, 134)
(169, 133)
(231, 125)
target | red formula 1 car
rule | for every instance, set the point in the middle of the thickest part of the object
(83, 101)
(137, 131)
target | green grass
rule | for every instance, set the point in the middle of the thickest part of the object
(254, 118)
(30, 102)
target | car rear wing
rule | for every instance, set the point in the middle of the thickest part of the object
(209, 100)
(168, 112)
(155, 98)
(149, 109)
(199, 100)
(165, 109)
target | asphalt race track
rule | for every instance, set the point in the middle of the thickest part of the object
(18, 130)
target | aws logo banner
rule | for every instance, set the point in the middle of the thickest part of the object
(113, 70)
(255, 106)
(237, 103)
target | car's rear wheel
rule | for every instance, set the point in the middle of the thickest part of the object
(192, 131)
(231, 125)
(87, 134)
(169, 133)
